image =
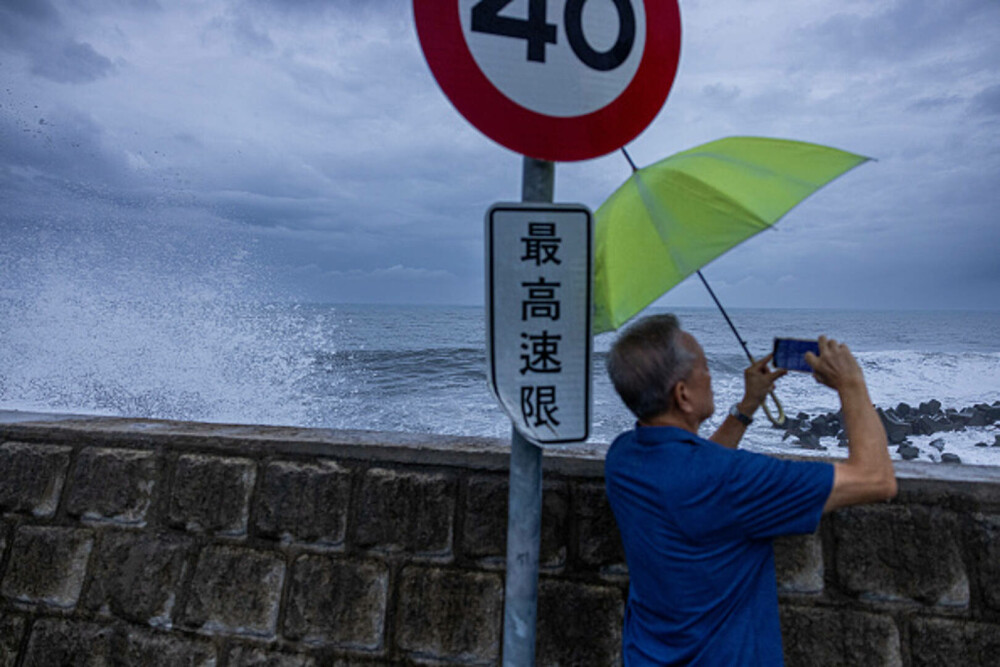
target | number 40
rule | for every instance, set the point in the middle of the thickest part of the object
(537, 33)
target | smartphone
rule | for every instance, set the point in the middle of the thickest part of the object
(790, 353)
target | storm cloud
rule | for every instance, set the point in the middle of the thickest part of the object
(304, 150)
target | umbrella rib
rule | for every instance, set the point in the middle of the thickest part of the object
(680, 183)
(749, 166)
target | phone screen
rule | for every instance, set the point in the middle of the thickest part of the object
(790, 353)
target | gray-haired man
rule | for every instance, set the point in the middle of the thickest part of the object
(697, 517)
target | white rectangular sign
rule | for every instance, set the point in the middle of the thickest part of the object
(538, 317)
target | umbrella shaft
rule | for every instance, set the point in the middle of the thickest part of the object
(726, 315)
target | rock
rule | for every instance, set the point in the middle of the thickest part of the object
(827, 425)
(962, 418)
(996, 443)
(791, 424)
(795, 432)
(903, 409)
(895, 430)
(919, 427)
(942, 423)
(802, 416)
(931, 407)
(809, 441)
(822, 425)
(938, 444)
(950, 458)
(977, 417)
(908, 452)
(992, 413)
(983, 444)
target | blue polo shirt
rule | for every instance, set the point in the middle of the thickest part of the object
(697, 521)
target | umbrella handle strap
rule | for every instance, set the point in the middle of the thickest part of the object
(778, 421)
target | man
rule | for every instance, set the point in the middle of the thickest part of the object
(697, 517)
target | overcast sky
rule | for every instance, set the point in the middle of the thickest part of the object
(302, 150)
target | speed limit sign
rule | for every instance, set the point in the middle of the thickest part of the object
(553, 79)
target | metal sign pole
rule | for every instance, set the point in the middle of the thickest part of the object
(524, 513)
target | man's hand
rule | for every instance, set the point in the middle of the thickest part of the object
(835, 366)
(867, 474)
(759, 381)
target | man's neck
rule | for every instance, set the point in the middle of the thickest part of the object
(673, 419)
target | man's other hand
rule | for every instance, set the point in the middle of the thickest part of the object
(759, 381)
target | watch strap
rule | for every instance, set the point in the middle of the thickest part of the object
(735, 412)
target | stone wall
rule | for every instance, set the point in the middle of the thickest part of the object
(157, 543)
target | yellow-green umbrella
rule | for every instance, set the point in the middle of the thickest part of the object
(671, 218)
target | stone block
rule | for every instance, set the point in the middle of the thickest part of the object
(953, 643)
(931, 407)
(578, 624)
(555, 526)
(33, 477)
(211, 494)
(484, 530)
(235, 591)
(47, 566)
(244, 656)
(893, 553)
(798, 563)
(160, 650)
(598, 541)
(137, 576)
(112, 485)
(984, 551)
(303, 502)
(61, 642)
(979, 417)
(896, 430)
(405, 511)
(11, 631)
(450, 615)
(947, 495)
(816, 636)
(337, 602)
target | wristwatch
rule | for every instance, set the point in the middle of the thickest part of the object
(735, 412)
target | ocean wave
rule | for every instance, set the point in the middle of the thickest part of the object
(398, 369)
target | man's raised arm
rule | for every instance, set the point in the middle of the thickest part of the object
(867, 475)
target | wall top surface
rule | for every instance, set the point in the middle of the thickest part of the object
(585, 460)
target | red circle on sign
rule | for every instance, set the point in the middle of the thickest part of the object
(538, 135)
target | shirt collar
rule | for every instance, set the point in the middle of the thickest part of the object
(654, 435)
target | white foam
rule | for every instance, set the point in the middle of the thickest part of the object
(141, 336)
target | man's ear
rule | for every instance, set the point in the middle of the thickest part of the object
(682, 399)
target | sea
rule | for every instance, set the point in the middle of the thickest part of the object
(423, 368)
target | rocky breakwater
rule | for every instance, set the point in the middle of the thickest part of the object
(900, 422)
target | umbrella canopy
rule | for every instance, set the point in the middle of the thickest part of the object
(671, 218)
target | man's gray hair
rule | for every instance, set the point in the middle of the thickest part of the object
(645, 363)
